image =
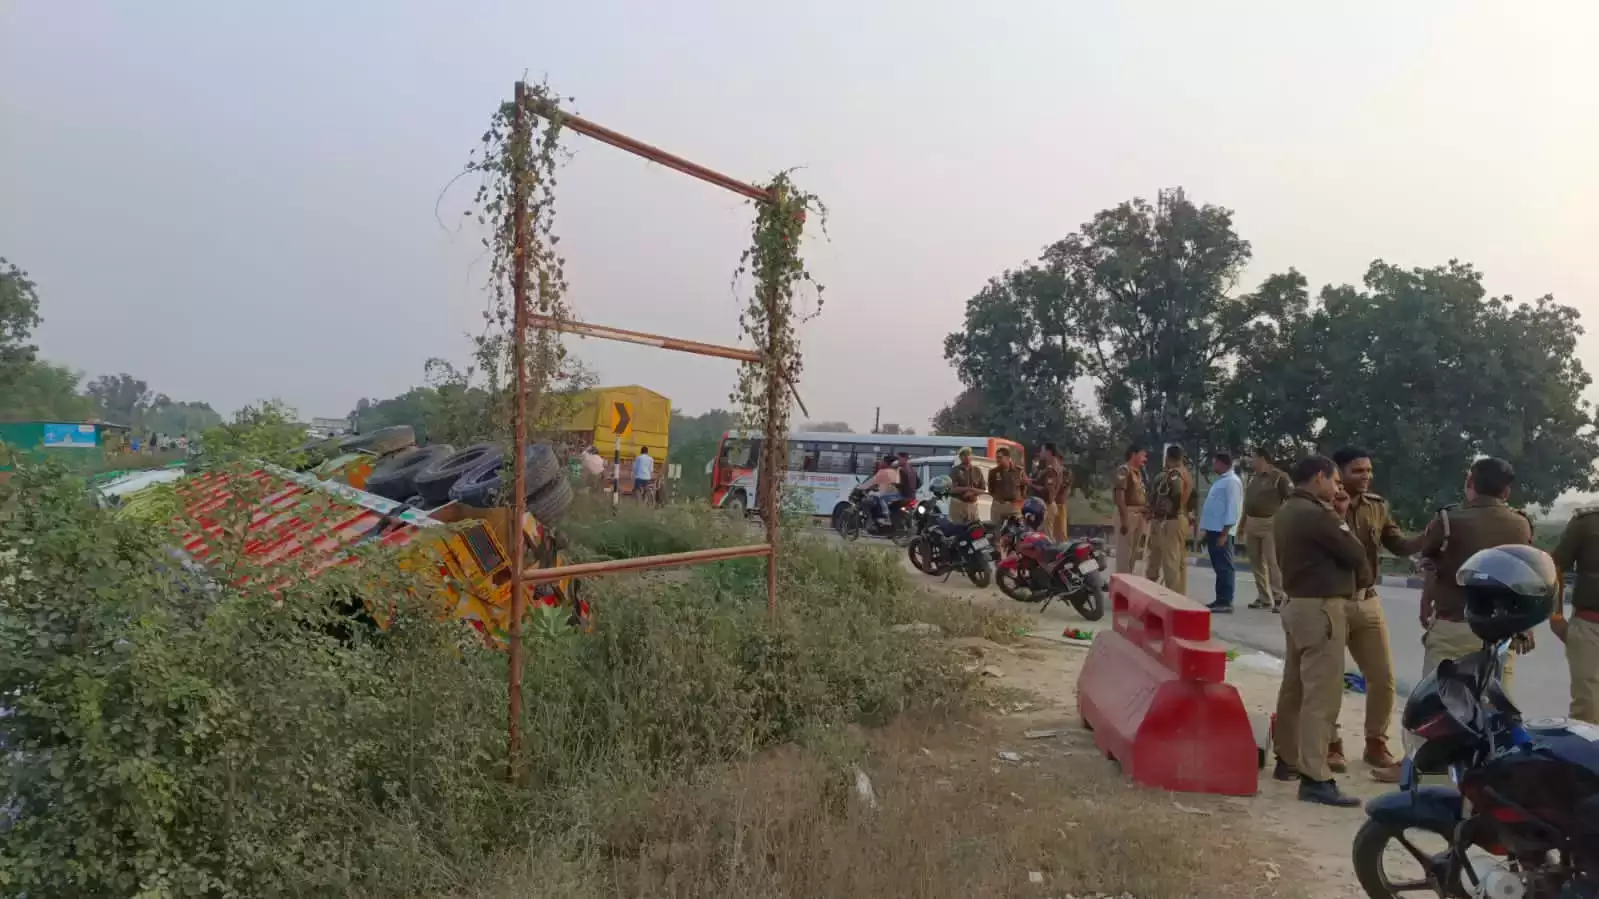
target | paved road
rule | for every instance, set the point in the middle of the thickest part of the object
(1542, 682)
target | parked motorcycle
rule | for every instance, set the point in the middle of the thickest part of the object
(1525, 793)
(1037, 570)
(858, 519)
(949, 546)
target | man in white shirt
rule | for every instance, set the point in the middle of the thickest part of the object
(643, 471)
(593, 466)
(1217, 523)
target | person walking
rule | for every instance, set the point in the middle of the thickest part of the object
(1055, 512)
(1579, 548)
(1268, 487)
(1131, 522)
(1217, 521)
(1321, 562)
(1168, 529)
(1373, 525)
(1005, 484)
(967, 483)
(643, 474)
(1454, 535)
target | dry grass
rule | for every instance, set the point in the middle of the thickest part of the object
(951, 820)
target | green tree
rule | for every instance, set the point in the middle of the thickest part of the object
(165, 415)
(41, 390)
(19, 315)
(121, 398)
(827, 427)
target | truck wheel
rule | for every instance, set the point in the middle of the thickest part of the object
(434, 482)
(550, 504)
(736, 506)
(380, 442)
(395, 477)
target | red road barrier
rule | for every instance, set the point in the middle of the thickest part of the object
(1155, 693)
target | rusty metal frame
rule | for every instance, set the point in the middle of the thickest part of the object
(525, 319)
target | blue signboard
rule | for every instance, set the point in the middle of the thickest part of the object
(71, 436)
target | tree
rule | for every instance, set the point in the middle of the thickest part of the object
(828, 427)
(165, 415)
(19, 315)
(40, 390)
(119, 398)
(894, 429)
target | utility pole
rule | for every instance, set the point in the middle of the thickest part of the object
(877, 421)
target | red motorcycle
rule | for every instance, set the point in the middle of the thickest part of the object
(1036, 569)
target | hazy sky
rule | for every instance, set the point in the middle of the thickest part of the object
(239, 203)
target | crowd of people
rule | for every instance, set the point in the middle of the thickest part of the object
(1313, 535)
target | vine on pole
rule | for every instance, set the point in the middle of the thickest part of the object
(516, 200)
(769, 320)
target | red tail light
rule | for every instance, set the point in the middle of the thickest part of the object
(1082, 551)
(976, 531)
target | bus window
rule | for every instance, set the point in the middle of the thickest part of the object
(835, 458)
(740, 453)
(802, 457)
(866, 459)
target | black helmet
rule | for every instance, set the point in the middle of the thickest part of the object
(1509, 589)
(1033, 512)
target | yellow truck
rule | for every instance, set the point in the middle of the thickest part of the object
(637, 416)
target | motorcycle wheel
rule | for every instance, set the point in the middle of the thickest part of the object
(917, 550)
(851, 525)
(1090, 602)
(1010, 585)
(981, 571)
(902, 534)
(1371, 849)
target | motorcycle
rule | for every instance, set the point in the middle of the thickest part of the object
(857, 519)
(947, 546)
(1037, 570)
(1526, 793)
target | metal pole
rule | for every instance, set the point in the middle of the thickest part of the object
(616, 476)
(644, 563)
(521, 138)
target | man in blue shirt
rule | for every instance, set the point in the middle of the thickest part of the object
(1217, 523)
(643, 473)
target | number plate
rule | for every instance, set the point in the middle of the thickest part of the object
(1088, 565)
(981, 544)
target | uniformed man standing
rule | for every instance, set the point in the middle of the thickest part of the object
(1131, 524)
(1321, 561)
(1168, 529)
(1579, 546)
(1268, 487)
(1453, 536)
(1005, 484)
(1055, 508)
(967, 483)
(1046, 480)
(1374, 527)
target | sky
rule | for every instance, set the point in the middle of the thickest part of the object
(242, 201)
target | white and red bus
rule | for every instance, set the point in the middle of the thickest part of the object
(827, 466)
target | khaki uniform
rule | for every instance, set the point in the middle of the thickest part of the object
(1452, 537)
(960, 476)
(1579, 546)
(1374, 527)
(1005, 486)
(1129, 490)
(1321, 561)
(1055, 515)
(1168, 530)
(1047, 485)
(1262, 498)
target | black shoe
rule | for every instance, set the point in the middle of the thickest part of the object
(1325, 793)
(1217, 608)
(1284, 772)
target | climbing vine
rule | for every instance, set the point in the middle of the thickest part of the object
(769, 321)
(525, 158)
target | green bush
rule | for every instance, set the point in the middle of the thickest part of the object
(173, 737)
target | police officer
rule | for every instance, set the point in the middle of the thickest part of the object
(1322, 561)
(1374, 527)
(1131, 522)
(1045, 483)
(1056, 524)
(1168, 531)
(1268, 487)
(1455, 534)
(1005, 484)
(967, 483)
(1579, 546)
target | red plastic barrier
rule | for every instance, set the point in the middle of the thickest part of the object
(1155, 693)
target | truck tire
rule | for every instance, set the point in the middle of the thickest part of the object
(484, 485)
(381, 442)
(549, 505)
(434, 482)
(314, 452)
(395, 477)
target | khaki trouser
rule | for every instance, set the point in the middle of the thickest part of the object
(1582, 655)
(1168, 553)
(1316, 633)
(1055, 521)
(999, 511)
(1131, 544)
(962, 511)
(1454, 640)
(1261, 546)
(1368, 645)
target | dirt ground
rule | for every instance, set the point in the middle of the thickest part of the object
(1286, 839)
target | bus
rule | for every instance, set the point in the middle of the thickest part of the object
(827, 466)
